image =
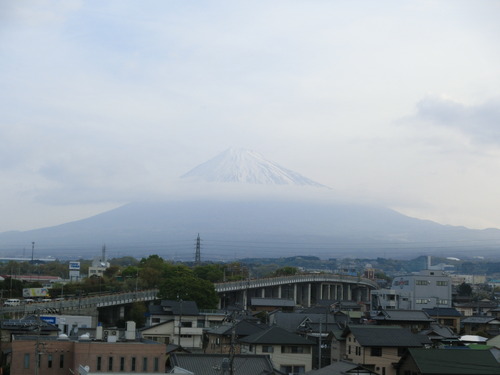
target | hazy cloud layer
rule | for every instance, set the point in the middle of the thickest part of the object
(479, 122)
(108, 102)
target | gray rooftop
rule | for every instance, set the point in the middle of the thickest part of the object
(455, 361)
(480, 320)
(169, 307)
(388, 336)
(276, 336)
(341, 368)
(443, 311)
(212, 364)
(242, 328)
(403, 315)
(274, 302)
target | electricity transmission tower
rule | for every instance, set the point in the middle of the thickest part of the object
(197, 257)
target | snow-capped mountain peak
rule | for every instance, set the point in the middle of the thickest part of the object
(246, 166)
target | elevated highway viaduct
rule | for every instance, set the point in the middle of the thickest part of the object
(306, 290)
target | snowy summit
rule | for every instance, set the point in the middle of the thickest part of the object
(246, 166)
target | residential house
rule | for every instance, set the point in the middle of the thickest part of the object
(448, 362)
(337, 345)
(272, 304)
(481, 325)
(179, 322)
(342, 368)
(414, 320)
(446, 316)
(472, 308)
(441, 335)
(379, 347)
(289, 352)
(218, 340)
(215, 364)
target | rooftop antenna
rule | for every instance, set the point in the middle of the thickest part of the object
(197, 257)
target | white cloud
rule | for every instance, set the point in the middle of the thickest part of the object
(104, 102)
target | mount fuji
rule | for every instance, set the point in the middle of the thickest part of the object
(247, 167)
(236, 222)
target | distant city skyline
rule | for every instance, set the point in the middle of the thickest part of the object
(390, 103)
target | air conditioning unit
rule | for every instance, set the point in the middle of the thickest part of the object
(113, 333)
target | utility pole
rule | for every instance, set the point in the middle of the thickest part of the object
(319, 344)
(232, 348)
(197, 257)
(180, 323)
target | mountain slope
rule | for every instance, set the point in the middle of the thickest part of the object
(248, 224)
(236, 229)
(245, 166)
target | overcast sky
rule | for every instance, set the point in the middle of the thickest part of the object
(106, 102)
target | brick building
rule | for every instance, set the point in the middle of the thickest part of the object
(62, 356)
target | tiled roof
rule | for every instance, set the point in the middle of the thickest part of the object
(440, 332)
(403, 315)
(455, 361)
(275, 302)
(276, 336)
(242, 328)
(388, 336)
(212, 364)
(443, 311)
(341, 367)
(480, 320)
(178, 307)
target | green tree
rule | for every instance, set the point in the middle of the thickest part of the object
(464, 289)
(180, 282)
(286, 271)
(211, 272)
(138, 314)
(190, 288)
(151, 271)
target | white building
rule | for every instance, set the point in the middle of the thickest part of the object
(428, 289)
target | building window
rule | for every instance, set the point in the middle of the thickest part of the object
(99, 364)
(49, 361)
(267, 349)
(122, 363)
(156, 364)
(421, 282)
(442, 283)
(26, 360)
(145, 364)
(358, 350)
(442, 302)
(293, 369)
(61, 361)
(421, 301)
(376, 351)
(295, 349)
(110, 364)
(132, 365)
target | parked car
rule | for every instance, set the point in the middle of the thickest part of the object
(12, 302)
